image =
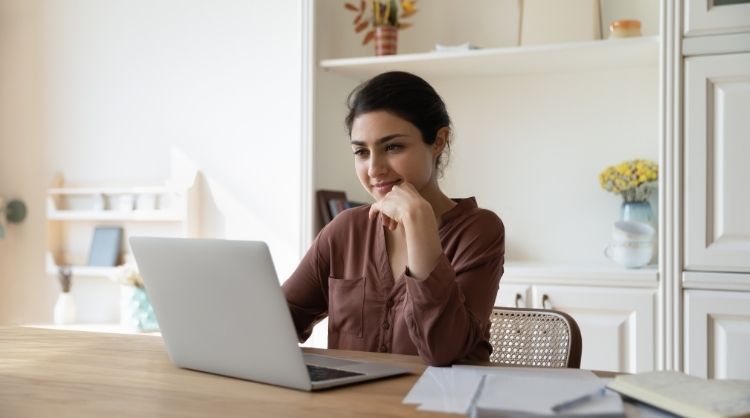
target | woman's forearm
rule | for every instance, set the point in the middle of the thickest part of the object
(423, 247)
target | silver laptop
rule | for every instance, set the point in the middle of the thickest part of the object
(221, 310)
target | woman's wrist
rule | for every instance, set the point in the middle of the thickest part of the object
(420, 213)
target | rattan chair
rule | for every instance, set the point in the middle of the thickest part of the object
(534, 338)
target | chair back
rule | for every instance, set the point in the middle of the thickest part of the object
(534, 338)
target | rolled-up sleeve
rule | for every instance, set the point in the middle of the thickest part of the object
(448, 313)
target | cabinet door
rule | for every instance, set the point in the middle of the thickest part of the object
(717, 334)
(513, 295)
(617, 324)
(710, 17)
(717, 146)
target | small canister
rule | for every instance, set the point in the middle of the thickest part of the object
(624, 29)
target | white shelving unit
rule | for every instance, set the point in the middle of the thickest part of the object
(73, 211)
(133, 216)
(174, 211)
(494, 62)
(534, 126)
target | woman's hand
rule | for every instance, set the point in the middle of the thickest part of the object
(403, 200)
(404, 206)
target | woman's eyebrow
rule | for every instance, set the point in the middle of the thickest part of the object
(379, 141)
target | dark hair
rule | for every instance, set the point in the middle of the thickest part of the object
(406, 96)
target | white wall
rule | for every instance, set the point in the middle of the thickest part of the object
(125, 84)
(533, 147)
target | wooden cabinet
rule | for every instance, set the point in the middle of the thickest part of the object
(617, 324)
(513, 295)
(717, 334)
(615, 308)
(711, 17)
(717, 146)
(714, 334)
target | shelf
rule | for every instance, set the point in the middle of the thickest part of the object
(579, 56)
(103, 215)
(87, 271)
(109, 190)
(580, 274)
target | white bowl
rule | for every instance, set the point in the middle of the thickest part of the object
(632, 231)
(630, 254)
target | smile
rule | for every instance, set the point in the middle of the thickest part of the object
(385, 187)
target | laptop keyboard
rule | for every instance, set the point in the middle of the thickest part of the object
(318, 373)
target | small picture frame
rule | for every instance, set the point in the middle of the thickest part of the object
(105, 246)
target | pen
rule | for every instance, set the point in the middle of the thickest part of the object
(562, 406)
(475, 398)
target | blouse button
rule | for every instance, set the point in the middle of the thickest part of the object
(389, 304)
(383, 348)
(386, 325)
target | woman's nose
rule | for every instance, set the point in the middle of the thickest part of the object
(378, 166)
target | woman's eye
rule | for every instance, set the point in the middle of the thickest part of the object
(393, 147)
(360, 152)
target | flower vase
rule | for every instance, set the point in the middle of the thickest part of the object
(636, 211)
(65, 309)
(136, 312)
(386, 40)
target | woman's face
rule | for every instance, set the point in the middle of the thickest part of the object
(389, 150)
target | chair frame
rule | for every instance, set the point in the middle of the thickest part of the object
(575, 342)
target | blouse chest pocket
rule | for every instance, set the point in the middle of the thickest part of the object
(346, 305)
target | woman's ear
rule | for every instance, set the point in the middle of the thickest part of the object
(441, 141)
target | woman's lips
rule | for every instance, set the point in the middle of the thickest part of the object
(385, 186)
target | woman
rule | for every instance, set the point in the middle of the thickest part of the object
(415, 272)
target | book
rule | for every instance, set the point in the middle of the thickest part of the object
(686, 395)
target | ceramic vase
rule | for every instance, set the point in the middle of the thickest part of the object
(65, 309)
(136, 312)
(636, 211)
(386, 40)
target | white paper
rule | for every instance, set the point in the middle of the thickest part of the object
(444, 389)
(525, 390)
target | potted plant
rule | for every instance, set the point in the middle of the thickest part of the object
(383, 18)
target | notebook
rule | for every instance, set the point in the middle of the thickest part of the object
(221, 310)
(686, 395)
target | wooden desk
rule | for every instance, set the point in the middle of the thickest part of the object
(51, 373)
(48, 373)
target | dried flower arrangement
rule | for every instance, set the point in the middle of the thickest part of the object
(633, 180)
(129, 276)
(384, 13)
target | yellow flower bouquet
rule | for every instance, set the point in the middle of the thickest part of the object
(633, 180)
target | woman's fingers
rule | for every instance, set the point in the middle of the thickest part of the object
(388, 222)
(374, 210)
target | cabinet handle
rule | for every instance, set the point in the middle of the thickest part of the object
(519, 298)
(546, 304)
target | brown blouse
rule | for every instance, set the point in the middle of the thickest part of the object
(346, 275)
